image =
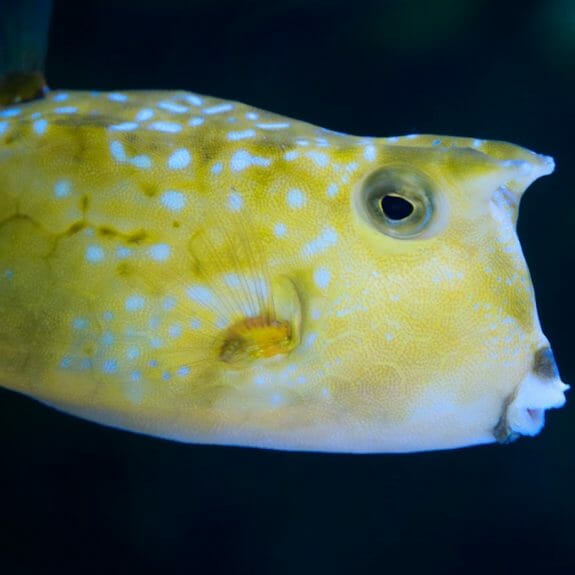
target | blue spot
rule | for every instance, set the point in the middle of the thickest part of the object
(108, 338)
(110, 366)
(10, 113)
(169, 303)
(135, 376)
(80, 323)
(86, 364)
(183, 371)
(66, 362)
(133, 353)
(217, 168)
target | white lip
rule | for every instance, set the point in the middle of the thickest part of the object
(525, 413)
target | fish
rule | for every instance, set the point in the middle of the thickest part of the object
(208, 272)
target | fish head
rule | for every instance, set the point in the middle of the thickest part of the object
(436, 310)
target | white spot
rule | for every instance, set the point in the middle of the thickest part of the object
(94, 254)
(243, 159)
(124, 127)
(159, 252)
(108, 315)
(477, 143)
(10, 113)
(66, 110)
(369, 152)
(4, 127)
(219, 109)
(392, 139)
(62, 188)
(40, 127)
(173, 200)
(273, 125)
(60, 97)
(302, 142)
(193, 99)
(325, 392)
(196, 122)
(322, 277)
(135, 303)
(291, 155)
(170, 127)
(173, 107)
(110, 366)
(217, 168)
(196, 324)
(389, 336)
(117, 97)
(179, 159)
(8, 274)
(280, 230)
(296, 198)
(235, 201)
(332, 190)
(326, 239)
(157, 342)
(145, 114)
(319, 158)
(183, 371)
(252, 116)
(315, 314)
(142, 161)
(242, 135)
(117, 151)
(201, 295)
(411, 136)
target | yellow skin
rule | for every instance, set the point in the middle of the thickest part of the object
(204, 271)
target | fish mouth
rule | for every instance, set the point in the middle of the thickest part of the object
(524, 410)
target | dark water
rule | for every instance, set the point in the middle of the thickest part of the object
(77, 497)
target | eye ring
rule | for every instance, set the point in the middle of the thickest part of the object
(397, 201)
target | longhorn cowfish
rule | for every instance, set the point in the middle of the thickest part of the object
(204, 271)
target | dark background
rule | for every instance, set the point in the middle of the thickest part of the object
(79, 498)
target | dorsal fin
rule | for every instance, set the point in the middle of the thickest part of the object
(24, 28)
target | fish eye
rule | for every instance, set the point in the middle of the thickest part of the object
(397, 201)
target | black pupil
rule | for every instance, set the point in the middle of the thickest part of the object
(396, 208)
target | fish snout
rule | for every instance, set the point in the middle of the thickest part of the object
(539, 390)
